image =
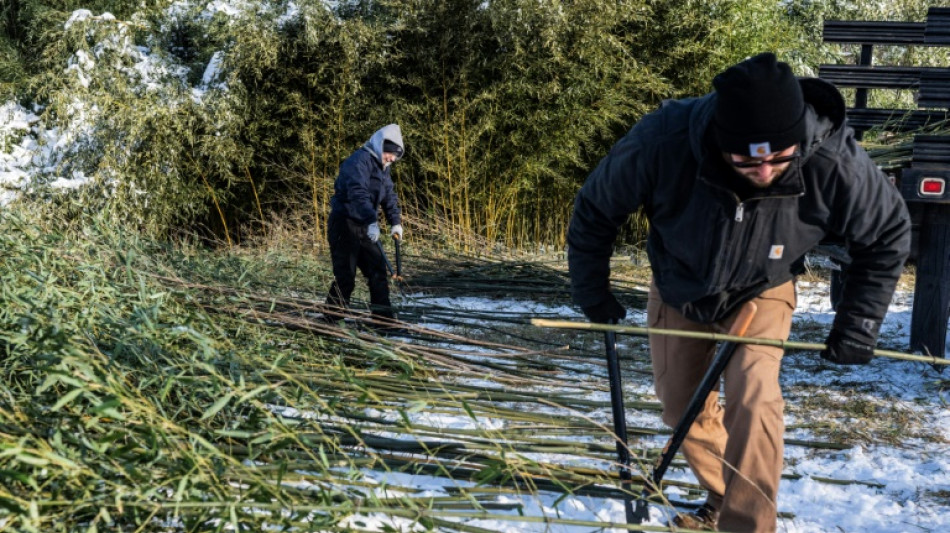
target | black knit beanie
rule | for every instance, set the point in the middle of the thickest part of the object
(759, 107)
(391, 147)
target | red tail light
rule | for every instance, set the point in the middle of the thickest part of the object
(932, 186)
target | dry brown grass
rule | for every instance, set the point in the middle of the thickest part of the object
(854, 417)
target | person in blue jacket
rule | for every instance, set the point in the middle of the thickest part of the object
(362, 187)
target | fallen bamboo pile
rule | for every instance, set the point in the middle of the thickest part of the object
(155, 389)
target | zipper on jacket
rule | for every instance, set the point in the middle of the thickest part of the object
(717, 284)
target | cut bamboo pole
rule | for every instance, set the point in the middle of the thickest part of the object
(787, 345)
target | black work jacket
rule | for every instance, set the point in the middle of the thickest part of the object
(714, 245)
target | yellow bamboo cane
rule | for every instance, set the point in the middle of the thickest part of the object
(786, 345)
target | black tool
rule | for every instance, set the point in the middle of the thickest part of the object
(396, 240)
(620, 420)
(389, 266)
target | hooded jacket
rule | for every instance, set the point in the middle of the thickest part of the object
(364, 183)
(715, 242)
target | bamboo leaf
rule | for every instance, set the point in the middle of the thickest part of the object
(217, 406)
(253, 393)
(66, 399)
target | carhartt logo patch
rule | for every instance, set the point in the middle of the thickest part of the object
(776, 251)
(760, 149)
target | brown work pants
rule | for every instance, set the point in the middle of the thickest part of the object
(735, 452)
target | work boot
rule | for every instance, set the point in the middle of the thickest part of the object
(702, 519)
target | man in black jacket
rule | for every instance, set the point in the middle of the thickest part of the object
(737, 186)
(362, 187)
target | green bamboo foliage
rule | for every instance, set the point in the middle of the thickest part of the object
(505, 105)
(155, 155)
(10, 68)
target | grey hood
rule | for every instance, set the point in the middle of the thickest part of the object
(391, 133)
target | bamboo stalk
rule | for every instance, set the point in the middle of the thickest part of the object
(788, 345)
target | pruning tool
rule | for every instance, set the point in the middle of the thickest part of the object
(396, 239)
(397, 274)
(620, 421)
(709, 382)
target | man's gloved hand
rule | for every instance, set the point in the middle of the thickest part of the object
(372, 231)
(845, 351)
(609, 309)
(396, 232)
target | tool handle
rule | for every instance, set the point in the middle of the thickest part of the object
(616, 401)
(389, 266)
(620, 420)
(743, 319)
(396, 240)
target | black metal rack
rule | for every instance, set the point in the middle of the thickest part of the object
(924, 181)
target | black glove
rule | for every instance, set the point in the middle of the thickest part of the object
(845, 351)
(609, 309)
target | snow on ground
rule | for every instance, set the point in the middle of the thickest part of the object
(900, 486)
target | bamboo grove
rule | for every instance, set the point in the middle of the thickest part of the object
(233, 119)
